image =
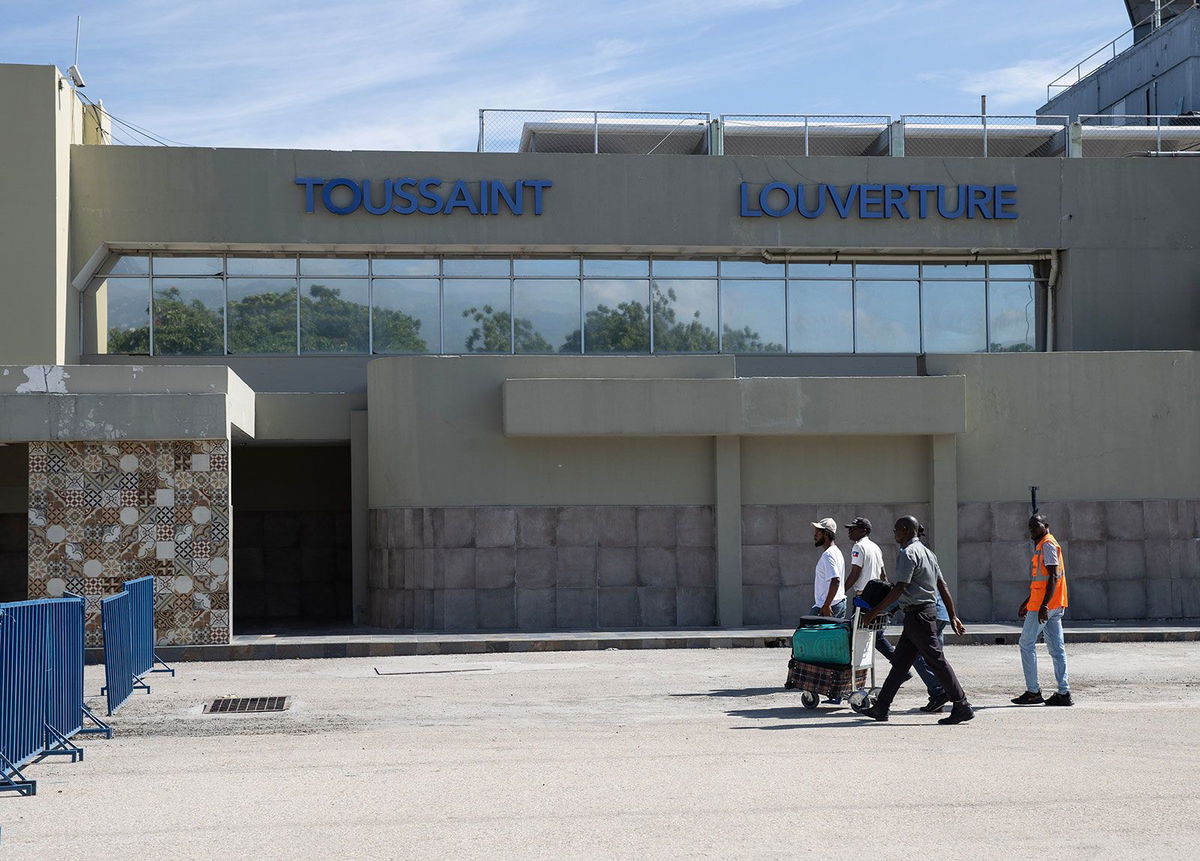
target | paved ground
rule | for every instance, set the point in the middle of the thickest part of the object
(623, 754)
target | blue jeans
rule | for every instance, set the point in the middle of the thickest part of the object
(837, 609)
(1053, 631)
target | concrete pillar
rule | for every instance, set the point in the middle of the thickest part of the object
(359, 515)
(943, 504)
(727, 452)
(896, 139)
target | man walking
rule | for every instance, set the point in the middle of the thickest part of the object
(829, 595)
(916, 587)
(1043, 612)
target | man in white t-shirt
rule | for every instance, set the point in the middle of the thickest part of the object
(866, 564)
(829, 595)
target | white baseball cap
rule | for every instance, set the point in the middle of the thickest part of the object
(826, 523)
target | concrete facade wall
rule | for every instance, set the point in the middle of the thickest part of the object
(1130, 212)
(535, 568)
(1081, 426)
(43, 119)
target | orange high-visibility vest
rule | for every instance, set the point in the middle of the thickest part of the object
(1037, 590)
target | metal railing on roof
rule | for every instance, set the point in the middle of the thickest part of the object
(985, 135)
(1110, 51)
(633, 132)
(804, 134)
(1115, 136)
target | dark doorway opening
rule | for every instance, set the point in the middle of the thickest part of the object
(14, 522)
(291, 537)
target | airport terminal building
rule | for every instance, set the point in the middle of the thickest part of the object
(604, 379)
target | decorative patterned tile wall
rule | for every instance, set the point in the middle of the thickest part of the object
(101, 513)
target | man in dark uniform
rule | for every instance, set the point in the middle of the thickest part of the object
(917, 586)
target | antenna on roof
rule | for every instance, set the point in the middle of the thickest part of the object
(73, 71)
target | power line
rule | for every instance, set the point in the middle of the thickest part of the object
(133, 128)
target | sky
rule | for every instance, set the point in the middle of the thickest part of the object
(413, 74)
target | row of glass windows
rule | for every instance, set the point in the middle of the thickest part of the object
(285, 305)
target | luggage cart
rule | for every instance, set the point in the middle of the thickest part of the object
(842, 681)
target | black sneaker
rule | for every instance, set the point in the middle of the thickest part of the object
(961, 713)
(1029, 698)
(935, 704)
(875, 713)
(1059, 700)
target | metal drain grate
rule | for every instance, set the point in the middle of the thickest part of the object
(246, 705)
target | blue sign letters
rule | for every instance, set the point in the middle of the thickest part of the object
(427, 196)
(865, 200)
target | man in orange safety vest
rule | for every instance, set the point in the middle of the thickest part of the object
(1043, 611)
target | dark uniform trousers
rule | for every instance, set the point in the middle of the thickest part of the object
(919, 637)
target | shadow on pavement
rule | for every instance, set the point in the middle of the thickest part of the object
(737, 692)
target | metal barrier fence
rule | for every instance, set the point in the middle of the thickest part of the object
(985, 135)
(119, 677)
(804, 134)
(41, 686)
(633, 132)
(141, 627)
(1116, 136)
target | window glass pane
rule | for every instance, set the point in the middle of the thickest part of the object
(350, 267)
(128, 265)
(261, 265)
(751, 269)
(187, 265)
(567, 267)
(819, 270)
(685, 316)
(547, 316)
(126, 304)
(752, 316)
(405, 266)
(405, 315)
(333, 315)
(189, 317)
(955, 316)
(262, 315)
(952, 270)
(477, 316)
(1013, 311)
(616, 268)
(497, 266)
(886, 270)
(820, 317)
(1010, 270)
(886, 317)
(617, 317)
(685, 268)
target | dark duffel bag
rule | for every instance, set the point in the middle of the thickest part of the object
(874, 592)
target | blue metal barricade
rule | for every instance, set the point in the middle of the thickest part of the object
(119, 678)
(41, 686)
(141, 617)
(24, 687)
(66, 713)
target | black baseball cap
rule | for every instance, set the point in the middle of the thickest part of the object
(859, 521)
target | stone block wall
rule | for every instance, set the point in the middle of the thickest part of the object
(14, 556)
(292, 565)
(105, 512)
(779, 559)
(541, 568)
(1126, 559)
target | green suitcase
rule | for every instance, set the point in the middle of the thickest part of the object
(822, 644)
